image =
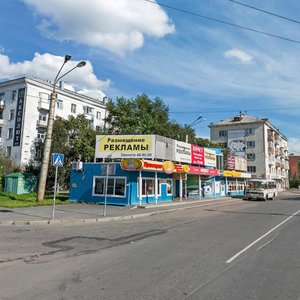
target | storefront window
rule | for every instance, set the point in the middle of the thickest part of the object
(169, 186)
(148, 186)
(115, 186)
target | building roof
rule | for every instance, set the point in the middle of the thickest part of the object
(243, 119)
(240, 119)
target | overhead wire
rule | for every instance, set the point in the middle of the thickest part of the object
(265, 11)
(224, 22)
(230, 111)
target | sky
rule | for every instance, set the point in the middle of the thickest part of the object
(197, 65)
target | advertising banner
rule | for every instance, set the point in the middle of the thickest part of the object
(236, 142)
(182, 152)
(230, 162)
(240, 163)
(197, 155)
(125, 146)
(203, 171)
(210, 157)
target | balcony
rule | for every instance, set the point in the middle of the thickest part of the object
(41, 123)
(271, 150)
(38, 140)
(44, 105)
(271, 161)
(270, 138)
(277, 165)
(1, 122)
(89, 116)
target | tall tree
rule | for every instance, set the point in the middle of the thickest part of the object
(76, 140)
(143, 115)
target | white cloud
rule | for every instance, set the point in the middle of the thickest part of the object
(45, 66)
(242, 56)
(118, 25)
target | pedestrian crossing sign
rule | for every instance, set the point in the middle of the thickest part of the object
(57, 159)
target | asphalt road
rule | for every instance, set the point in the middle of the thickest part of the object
(239, 250)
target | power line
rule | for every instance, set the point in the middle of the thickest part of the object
(265, 11)
(230, 111)
(225, 22)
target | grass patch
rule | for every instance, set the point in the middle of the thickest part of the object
(28, 200)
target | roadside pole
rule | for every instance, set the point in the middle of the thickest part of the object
(55, 190)
(106, 183)
(57, 161)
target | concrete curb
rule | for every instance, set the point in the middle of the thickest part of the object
(108, 219)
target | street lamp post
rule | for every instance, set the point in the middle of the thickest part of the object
(195, 122)
(48, 139)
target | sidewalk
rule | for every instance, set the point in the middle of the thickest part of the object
(93, 213)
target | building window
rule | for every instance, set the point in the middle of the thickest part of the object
(251, 156)
(12, 114)
(87, 110)
(250, 131)
(251, 144)
(222, 133)
(115, 186)
(38, 153)
(43, 117)
(13, 95)
(9, 133)
(73, 108)
(8, 151)
(91, 124)
(251, 169)
(98, 128)
(59, 104)
(41, 134)
(0, 132)
(169, 186)
(98, 115)
(148, 186)
(2, 96)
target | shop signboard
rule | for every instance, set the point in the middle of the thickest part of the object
(235, 174)
(210, 157)
(197, 155)
(230, 162)
(182, 152)
(125, 146)
(203, 171)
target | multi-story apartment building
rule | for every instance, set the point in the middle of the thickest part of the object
(264, 146)
(24, 109)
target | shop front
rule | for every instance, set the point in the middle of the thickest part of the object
(139, 169)
(235, 182)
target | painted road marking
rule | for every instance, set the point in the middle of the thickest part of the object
(260, 238)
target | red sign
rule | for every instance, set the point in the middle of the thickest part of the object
(230, 162)
(203, 171)
(197, 155)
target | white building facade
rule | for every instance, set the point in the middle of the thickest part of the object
(24, 110)
(264, 146)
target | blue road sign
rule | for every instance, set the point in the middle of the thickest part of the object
(57, 159)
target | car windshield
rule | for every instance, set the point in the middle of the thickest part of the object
(255, 185)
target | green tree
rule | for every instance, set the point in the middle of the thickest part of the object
(76, 140)
(143, 115)
(6, 166)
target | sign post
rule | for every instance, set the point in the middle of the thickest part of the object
(57, 161)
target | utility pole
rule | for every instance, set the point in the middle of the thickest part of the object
(48, 139)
